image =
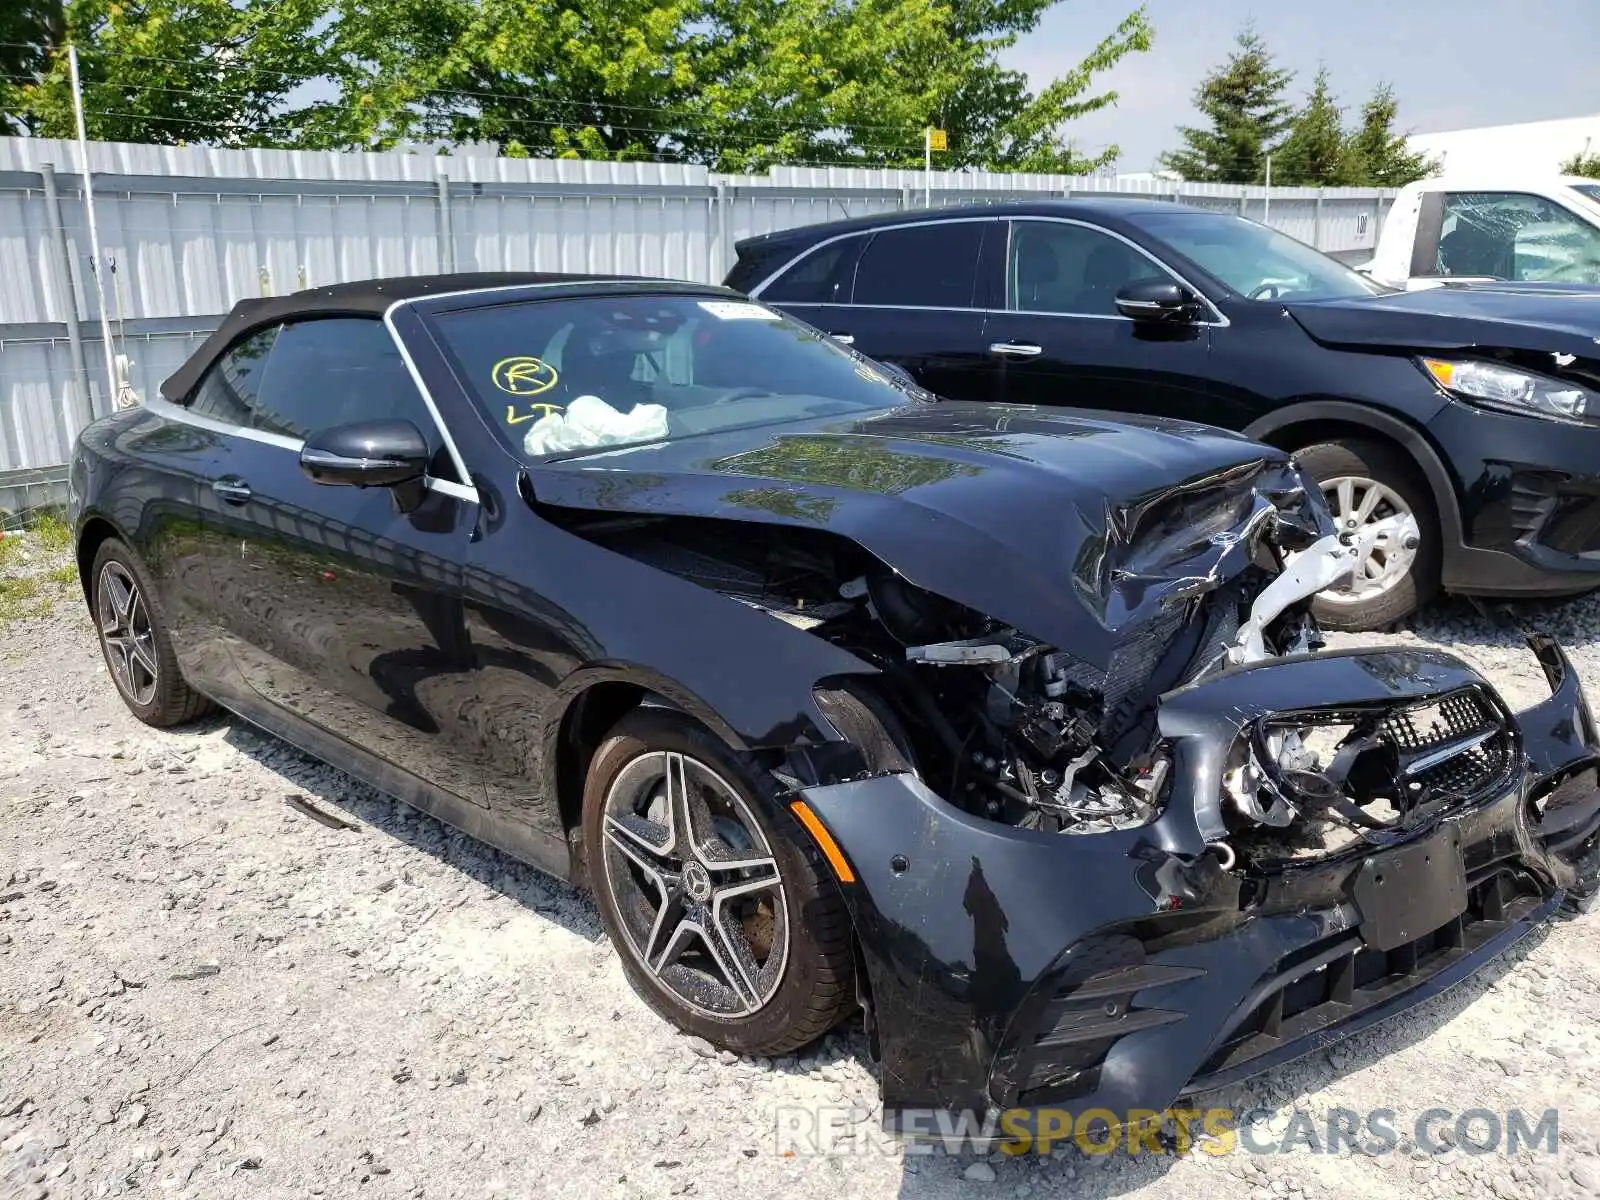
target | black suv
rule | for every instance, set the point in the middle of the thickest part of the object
(1474, 410)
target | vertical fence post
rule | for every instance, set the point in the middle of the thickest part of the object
(447, 237)
(724, 233)
(1316, 221)
(81, 391)
(1244, 199)
(94, 230)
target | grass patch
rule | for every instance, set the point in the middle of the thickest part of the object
(66, 574)
(52, 533)
(19, 597)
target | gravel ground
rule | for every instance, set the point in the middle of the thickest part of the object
(205, 992)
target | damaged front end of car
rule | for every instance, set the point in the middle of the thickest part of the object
(1119, 830)
(1280, 898)
(1226, 850)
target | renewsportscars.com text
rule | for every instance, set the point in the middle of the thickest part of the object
(1476, 1131)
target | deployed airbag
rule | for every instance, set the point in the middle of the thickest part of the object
(589, 422)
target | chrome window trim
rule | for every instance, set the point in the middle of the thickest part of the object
(427, 396)
(755, 292)
(169, 411)
(882, 307)
(185, 416)
(1221, 321)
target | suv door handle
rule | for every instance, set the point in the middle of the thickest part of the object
(231, 489)
(844, 339)
(1015, 349)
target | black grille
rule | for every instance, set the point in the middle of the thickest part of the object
(1458, 715)
(1060, 1050)
(1459, 746)
(1329, 984)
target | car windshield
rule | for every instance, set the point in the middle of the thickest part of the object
(565, 376)
(1257, 262)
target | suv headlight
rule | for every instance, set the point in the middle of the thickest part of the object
(1500, 386)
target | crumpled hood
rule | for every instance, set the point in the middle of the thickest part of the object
(1072, 526)
(1510, 317)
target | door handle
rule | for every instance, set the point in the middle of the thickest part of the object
(234, 491)
(1015, 349)
(844, 339)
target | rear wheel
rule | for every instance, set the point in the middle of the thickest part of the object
(725, 925)
(135, 641)
(1365, 482)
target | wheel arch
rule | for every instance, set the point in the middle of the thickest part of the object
(94, 531)
(1302, 424)
(589, 705)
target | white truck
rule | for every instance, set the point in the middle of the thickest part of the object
(1476, 228)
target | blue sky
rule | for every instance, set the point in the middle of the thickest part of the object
(1453, 63)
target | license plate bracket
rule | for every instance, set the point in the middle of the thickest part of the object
(1412, 890)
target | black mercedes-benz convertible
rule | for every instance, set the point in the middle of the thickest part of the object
(1007, 725)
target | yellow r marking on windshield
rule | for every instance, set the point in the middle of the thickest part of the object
(523, 375)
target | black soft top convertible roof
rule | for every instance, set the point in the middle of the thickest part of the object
(368, 297)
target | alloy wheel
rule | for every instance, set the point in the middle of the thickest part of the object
(125, 632)
(1358, 502)
(696, 884)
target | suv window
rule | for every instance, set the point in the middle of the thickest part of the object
(1510, 235)
(1056, 267)
(822, 277)
(923, 266)
(228, 392)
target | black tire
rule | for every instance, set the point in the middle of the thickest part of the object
(814, 987)
(1390, 467)
(167, 700)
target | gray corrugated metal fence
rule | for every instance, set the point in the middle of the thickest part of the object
(187, 231)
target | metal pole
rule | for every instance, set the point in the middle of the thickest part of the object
(1316, 223)
(1266, 199)
(447, 237)
(94, 230)
(927, 167)
(724, 232)
(80, 361)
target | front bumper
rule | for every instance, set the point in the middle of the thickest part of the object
(1014, 969)
(1529, 500)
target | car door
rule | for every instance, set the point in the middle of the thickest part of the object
(916, 298)
(1059, 339)
(338, 607)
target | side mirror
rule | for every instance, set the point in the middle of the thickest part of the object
(366, 454)
(1158, 300)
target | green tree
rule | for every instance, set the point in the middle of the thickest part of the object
(733, 84)
(28, 30)
(1376, 155)
(1243, 103)
(166, 71)
(1585, 162)
(1314, 153)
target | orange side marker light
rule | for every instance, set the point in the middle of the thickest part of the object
(830, 848)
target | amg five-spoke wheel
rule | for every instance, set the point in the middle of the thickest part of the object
(134, 639)
(125, 632)
(725, 921)
(696, 884)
